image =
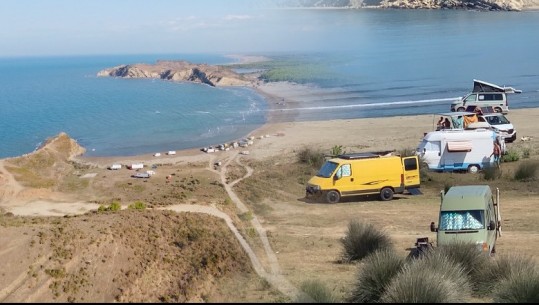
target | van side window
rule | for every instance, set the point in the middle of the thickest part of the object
(490, 97)
(410, 164)
(344, 171)
(471, 98)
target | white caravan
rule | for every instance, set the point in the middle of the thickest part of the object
(456, 150)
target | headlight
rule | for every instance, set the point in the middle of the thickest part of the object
(313, 187)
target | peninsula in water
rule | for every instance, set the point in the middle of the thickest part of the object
(213, 75)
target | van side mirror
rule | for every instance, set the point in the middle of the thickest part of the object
(433, 227)
(335, 177)
(491, 225)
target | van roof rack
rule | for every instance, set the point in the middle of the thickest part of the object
(365, 155)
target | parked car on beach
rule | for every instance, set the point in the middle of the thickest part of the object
(484, 95)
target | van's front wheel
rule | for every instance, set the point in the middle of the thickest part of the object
(386, 194)
(333, 196)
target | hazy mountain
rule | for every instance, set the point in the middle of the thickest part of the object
(504, 5)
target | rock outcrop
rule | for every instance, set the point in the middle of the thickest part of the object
(180, 71)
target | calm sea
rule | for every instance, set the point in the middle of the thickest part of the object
(375, 63)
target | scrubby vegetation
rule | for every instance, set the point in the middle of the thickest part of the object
(445, 274)
(315, 291)
(526, 171)
(375, 274)
(362, 239)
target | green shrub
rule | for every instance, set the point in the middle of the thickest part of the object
(518, 287)
(313, 158)
(137, 205)
(511, 156)
(499, 269)
(114, 206)
(433, 278)
(526, 152)
(375, 274)
(315, 291)
(337, 150)
(362, 239)
(468, 256)
(526, 171)
(247, 216)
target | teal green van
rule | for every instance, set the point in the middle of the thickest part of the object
(469, 214)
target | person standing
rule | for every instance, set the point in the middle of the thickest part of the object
(496, 152)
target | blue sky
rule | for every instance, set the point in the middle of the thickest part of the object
(75, 27)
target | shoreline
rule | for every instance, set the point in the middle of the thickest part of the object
(278, 123)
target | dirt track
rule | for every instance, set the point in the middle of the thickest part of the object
(11, 189)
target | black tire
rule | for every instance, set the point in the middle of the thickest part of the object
(461, 109)
(473, 169)
(333, 196)
(386, 194)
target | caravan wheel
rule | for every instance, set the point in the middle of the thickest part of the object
(473, 169)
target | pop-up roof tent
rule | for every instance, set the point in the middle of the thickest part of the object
(481, 86)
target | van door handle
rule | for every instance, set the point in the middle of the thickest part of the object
(351, 179)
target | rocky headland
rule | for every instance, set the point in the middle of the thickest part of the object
(211, 75)
(479, 5)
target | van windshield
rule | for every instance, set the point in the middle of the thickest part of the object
(462, 220)
(327, 169)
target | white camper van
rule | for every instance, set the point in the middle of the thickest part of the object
(458, 150)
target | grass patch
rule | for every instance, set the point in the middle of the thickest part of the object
(312, 157)
(467, 255)
(527, 171)
(434, 278)
(316, 292)
(113, 207)
(518, 287)
(512, 155)
(374, 276)
(362, 239)
(491, 173)
(137, 205)
(500, 269)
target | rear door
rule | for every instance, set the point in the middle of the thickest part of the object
(411, 172)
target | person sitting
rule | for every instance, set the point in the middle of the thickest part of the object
(447, 124)
(478, 111)
(457, 122)
(440, 124)
(468, 119)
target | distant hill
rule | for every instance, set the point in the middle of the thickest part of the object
(487, 5)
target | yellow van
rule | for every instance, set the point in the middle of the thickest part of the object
(364, 174)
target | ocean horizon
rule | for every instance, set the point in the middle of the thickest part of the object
(399, 63)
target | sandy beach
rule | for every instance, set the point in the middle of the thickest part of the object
(282, 135)
(287, 239)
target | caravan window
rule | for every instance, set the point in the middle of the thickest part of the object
(462, 220)
(433, 146)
